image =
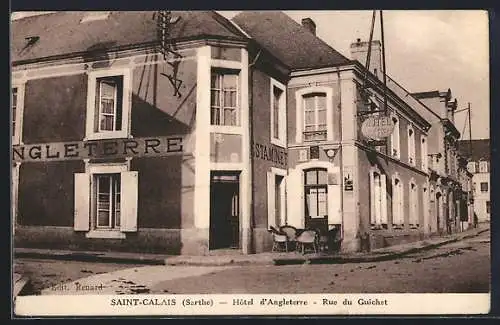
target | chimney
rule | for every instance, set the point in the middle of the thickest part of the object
(309, 24)
(359, 52)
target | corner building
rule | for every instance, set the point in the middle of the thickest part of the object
(246, 124)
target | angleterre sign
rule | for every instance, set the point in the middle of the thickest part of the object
(115, 148)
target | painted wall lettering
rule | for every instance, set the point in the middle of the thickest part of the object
(277, 155)
(116, 148)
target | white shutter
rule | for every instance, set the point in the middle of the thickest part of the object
(372, 198)
(383, 182)
(82, 202)
(270, 200)
(334, 201)
(129, 199)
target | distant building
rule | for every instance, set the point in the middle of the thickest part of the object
(478, 157)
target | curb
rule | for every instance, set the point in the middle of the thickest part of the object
(83, 257)
(228, 261)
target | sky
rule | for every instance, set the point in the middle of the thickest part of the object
(425, 50)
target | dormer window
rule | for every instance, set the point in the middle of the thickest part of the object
(483, 166)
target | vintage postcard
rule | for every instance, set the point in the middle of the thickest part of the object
(250, 163)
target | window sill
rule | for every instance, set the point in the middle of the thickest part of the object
(278, 142)
(226, 129)
(106, 234)
(107, 135)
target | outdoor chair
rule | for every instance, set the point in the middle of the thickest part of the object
(279, 240)
(291, 234)
(307, 238)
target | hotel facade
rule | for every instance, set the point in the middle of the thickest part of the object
(240, 126)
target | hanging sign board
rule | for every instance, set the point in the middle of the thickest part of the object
(377, 127)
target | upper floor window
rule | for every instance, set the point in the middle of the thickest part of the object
(484, 186)
(108, 106)
(395, 145)
(14, 111)
(423, 153)
(17, 103)
(278, 113)
(483, 166)
(411, 146)
(471, 167)
(224, 98)
(314, 114)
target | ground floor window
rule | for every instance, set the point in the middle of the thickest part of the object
(397, 204)
(378, 200)
(107, 200)
(99, 207)
(488, 207)
(413, 206)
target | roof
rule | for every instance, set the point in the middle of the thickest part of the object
(288, 41)
(480, 149)
(61, 33)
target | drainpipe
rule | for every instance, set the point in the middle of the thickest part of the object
(341, 171)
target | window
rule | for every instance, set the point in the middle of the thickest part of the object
(224, 98)
(315, 117)
(413, 205)
(99, 209)
(411, 146)
(397, 204)
(107, 198)
(278, 113)
(108, 106)
(14, 110)
(395, 139)
(483, 166)
(488, 207)
(484, 187)
(423, 153)
(471, 167)
(378, 200)
(17, 106)
(314, 114)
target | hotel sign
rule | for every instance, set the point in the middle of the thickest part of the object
(377, 127)
(113, 148)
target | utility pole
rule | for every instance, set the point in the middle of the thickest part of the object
(383, 60)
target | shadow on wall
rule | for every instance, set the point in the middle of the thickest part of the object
(148, 120)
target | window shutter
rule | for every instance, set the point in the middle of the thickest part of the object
(129, 199)
(82, 202)
(270, 200)
(372, 198)
(383, 181)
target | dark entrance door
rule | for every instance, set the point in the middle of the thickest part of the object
(316, 203)
(224, 211)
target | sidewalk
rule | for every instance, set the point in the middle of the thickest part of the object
(234, 259)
